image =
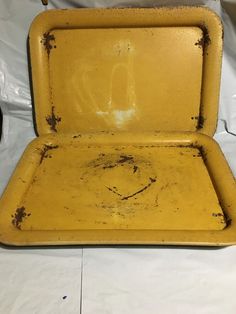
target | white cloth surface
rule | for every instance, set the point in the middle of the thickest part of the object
(114, 280)
(40, 281)
(159, 280)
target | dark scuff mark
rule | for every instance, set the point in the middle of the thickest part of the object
(44, 152)
(52, 120)
(110, 189)
(203, 154)
(47, 42)
(125, 158)
(135, 169)
(141, 190)
(109, 164)
(228, 221)
(20, 214)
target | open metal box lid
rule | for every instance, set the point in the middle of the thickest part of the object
(125, 106)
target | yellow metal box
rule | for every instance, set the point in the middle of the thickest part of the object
(125, 107)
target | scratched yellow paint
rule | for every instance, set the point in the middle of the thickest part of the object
(125, 109)
(124, 187)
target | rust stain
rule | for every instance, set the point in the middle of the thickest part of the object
(217, 215)
(76, 136)
(200, 121)
(44, 152)
(203, 154)
(47, 42)
(108, 164)
(200, 43)
(205, 40)
(53, 120)
(19, 216)
(223, 220)
(151, 181)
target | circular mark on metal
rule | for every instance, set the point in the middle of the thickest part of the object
(119, 176)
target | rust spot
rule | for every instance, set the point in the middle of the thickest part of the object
(23, 181)
(44, 152)
(52, 120)
(217, 215)
(76, 136)
(224, 220)
(205, 40)
(200, 121)
(19, 216)
(47, 42)
(200, 43)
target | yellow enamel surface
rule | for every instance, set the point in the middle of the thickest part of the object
(121, 98)
(152, 188)
(126, 69)
(124, 187)
(124, 79)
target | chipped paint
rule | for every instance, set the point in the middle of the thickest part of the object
(53, 120)
(19, 216)
(47, 42)
(44, 152)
